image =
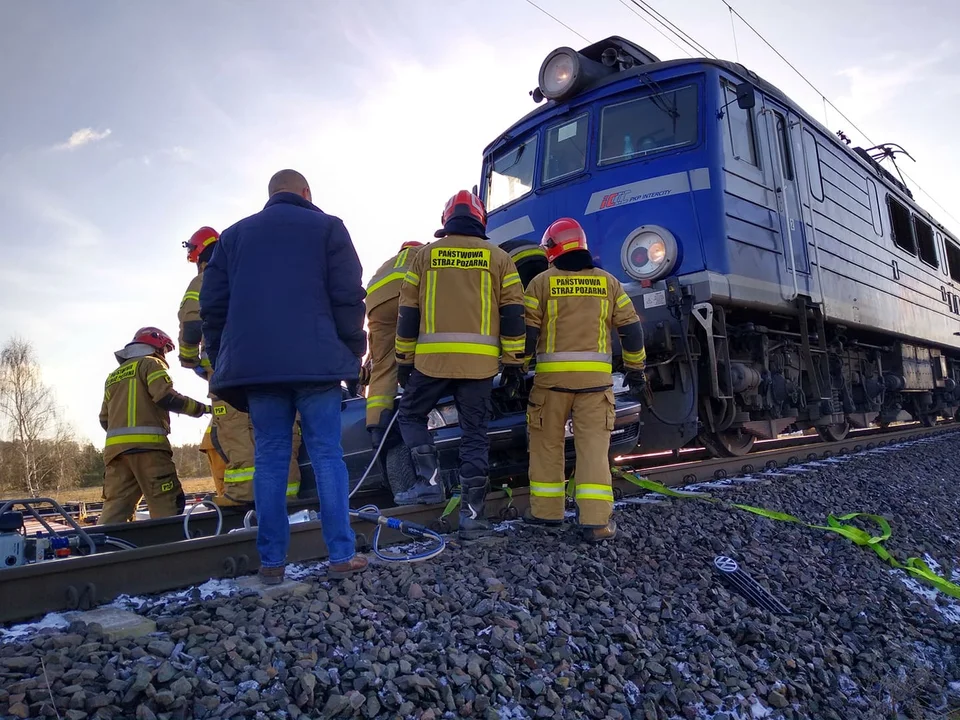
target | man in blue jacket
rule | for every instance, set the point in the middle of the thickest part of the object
(282, 310)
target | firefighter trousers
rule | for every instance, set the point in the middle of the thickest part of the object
(382, 335)
(472, 398)
(217, 464)
(149, 474)
(233, 439)
(594, 414)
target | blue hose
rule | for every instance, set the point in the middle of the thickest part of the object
(372, 514)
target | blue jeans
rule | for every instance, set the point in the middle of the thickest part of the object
(272, 413)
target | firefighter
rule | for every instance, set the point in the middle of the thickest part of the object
(138, 398)
(199, 250)
(570, 312)
(228, 441)
(383, 300)
(461, 310)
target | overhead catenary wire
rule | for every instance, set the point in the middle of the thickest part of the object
(684, 36)
(669, 39)
(557, 20)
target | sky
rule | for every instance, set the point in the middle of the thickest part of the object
(125, 126)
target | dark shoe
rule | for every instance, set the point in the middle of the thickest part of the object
(421, 494)
(530, 519)
(348, 568)
(599, 534)
(272, 576)
(429, 490)
(473, 521)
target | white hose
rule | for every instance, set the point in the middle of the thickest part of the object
(206, 503)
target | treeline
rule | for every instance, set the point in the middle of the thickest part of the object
(39, 452)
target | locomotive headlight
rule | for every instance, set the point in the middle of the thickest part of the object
(649, 253)
(558, 74)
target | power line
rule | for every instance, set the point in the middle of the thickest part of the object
(826, 101)
(673, 28)
(667, 37)
(557, 20)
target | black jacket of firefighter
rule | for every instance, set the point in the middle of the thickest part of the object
(570, 315)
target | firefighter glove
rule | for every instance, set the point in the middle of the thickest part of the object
(403, 374)
(365, 370)
(636, 381)
(511, 378)
(204, 410)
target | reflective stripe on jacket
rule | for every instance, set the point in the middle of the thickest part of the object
(386, 281)
(130, 413)
(190, 324)
(572, 316)
(461, 310)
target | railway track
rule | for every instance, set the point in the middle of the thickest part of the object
(163, 560)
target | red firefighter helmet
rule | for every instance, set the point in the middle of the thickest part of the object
(154, 337)
(563, 236)
(200, 241)
(464, 204)
(410, 244)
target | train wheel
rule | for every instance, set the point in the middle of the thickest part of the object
(833, 433)
(729, 443)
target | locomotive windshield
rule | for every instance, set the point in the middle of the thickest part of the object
(661, 121)
(511, 174)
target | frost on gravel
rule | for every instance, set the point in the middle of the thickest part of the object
(54, 621)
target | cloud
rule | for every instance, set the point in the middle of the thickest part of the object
(81, 137)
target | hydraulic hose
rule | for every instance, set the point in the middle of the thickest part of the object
(372, 514)
(376, 454)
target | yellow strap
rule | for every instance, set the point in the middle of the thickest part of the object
(412, 278)
(517, 257)
(512, 345)
(191, 295)
(594, 491)
(531, 302)
(623, 300)
(635, 358)
(510, 279)
(132, 402)
(401, 258)
(551, 326)
(913, 566)
(189, 351)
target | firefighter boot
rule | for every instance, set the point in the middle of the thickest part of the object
(473, 521)
(429, 487)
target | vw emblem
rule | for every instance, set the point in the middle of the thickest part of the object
(725, 564)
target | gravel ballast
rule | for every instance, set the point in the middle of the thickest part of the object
(536, 624)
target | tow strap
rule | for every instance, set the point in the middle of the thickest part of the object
(914, 566)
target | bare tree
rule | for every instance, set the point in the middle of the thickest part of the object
(30, 411)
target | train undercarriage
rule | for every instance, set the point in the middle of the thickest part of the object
(757, 375)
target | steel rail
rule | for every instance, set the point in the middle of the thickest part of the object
(83, 582)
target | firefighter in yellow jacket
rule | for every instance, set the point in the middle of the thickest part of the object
(138, 398)
(461, 313)
(571, 310)
(383, 302)
(199, 250)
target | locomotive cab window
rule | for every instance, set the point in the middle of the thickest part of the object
(900, 226)
(740, 128)
(510, 174)
(657, 122)
(566, 149)
(926, 246)
(953, 258)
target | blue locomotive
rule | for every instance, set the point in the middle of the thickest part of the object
(785, 280)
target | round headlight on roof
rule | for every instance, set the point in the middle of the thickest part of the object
(649, 253)
(559, 73)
